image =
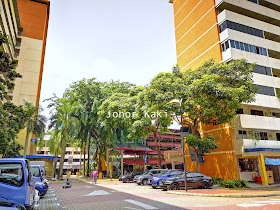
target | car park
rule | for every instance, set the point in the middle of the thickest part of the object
(129, 177)
(194, 179)
(144, 178)
(16, 181)
(166, 174)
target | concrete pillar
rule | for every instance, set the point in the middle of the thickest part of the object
(173, 165)
(263, 170)
(121, 162)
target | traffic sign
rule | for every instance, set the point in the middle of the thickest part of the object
(33, 140)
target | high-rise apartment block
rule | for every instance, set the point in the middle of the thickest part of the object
(231, 29)
(25, 23)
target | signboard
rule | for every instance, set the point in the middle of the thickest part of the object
(33, 140)
(145, 159)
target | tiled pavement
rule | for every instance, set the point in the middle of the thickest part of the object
(49, 201)
(87, 196)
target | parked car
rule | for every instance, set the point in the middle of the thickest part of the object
(129, 177)
(16, 181)
(42, 188)
(38, 174)
(194, 179)
(144, 178)
(9, 205)
(166, 174)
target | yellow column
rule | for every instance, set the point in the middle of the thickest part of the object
(263, 170)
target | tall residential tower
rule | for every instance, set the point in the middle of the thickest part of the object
(231, 29)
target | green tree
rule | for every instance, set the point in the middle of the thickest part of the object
(150, 114)
(90, 94)
(12, 120)
(63, 122)
(210, 92)
(12, 117)
(36, 124)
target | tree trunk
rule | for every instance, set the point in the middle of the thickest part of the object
(26, 144)
(88, 161)
(62, 156)
(84, 170)
(159, 155)
(99, 162)
(196, 160)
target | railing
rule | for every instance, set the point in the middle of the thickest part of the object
(173, 153)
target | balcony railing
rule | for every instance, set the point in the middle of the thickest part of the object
(253, 145)
(257, 122)
(176, 153)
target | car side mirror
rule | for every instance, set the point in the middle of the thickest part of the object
(30, 176)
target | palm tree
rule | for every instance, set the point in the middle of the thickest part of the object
(64, 122)
(35, 124)
(54, 145)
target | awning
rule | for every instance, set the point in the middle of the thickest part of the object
(272, 161)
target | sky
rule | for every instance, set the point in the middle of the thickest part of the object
(126, 40)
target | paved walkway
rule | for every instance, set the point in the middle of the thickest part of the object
(231, 193)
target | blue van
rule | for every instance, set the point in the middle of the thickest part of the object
(16, 181)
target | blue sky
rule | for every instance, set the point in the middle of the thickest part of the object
(126, 40)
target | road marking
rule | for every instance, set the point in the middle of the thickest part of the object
(98, 192)
(245, 205)
(89, 186)
(131, 208)
(143, 205)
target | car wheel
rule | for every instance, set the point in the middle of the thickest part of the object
(154, 187)
(139, 183)
(174, 186)
(124, 181)
(145, 181)
(205, 185)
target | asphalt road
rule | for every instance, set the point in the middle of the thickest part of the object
(117, 195)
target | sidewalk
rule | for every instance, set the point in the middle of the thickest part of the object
(74, 178)
(234, 193)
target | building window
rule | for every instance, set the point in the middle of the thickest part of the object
(65, 160)
(225, 46)
(262, 70)
(247, 47)
(264, 90)
(239, 111)
(67, 153)
(274, 114)
(247, 165)
(256, 112)
(278, 136)
(261, 135)
(40, 152)
(76, 152)
(254, 1)
(76, 160)
(241, 28)
(242, 134)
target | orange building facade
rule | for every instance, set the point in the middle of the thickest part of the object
(224, 30)
(34, 18)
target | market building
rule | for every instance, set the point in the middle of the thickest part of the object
(225, 30)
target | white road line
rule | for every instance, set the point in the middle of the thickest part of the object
(98, 192)
(245, 205)
(131, 208)
(143, 205)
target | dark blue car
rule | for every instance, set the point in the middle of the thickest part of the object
(166, 174)
(42, 188)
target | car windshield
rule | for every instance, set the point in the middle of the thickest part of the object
(11, 174)
(163, 173)
(35, 171)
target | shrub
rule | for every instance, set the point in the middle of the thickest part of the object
(239, 183)
(217, 180)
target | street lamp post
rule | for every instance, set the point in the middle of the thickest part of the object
(176, 101)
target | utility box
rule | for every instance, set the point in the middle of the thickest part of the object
(270, 178)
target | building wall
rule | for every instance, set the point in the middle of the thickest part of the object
(197, 40)
(34, 16)
(196, 31)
